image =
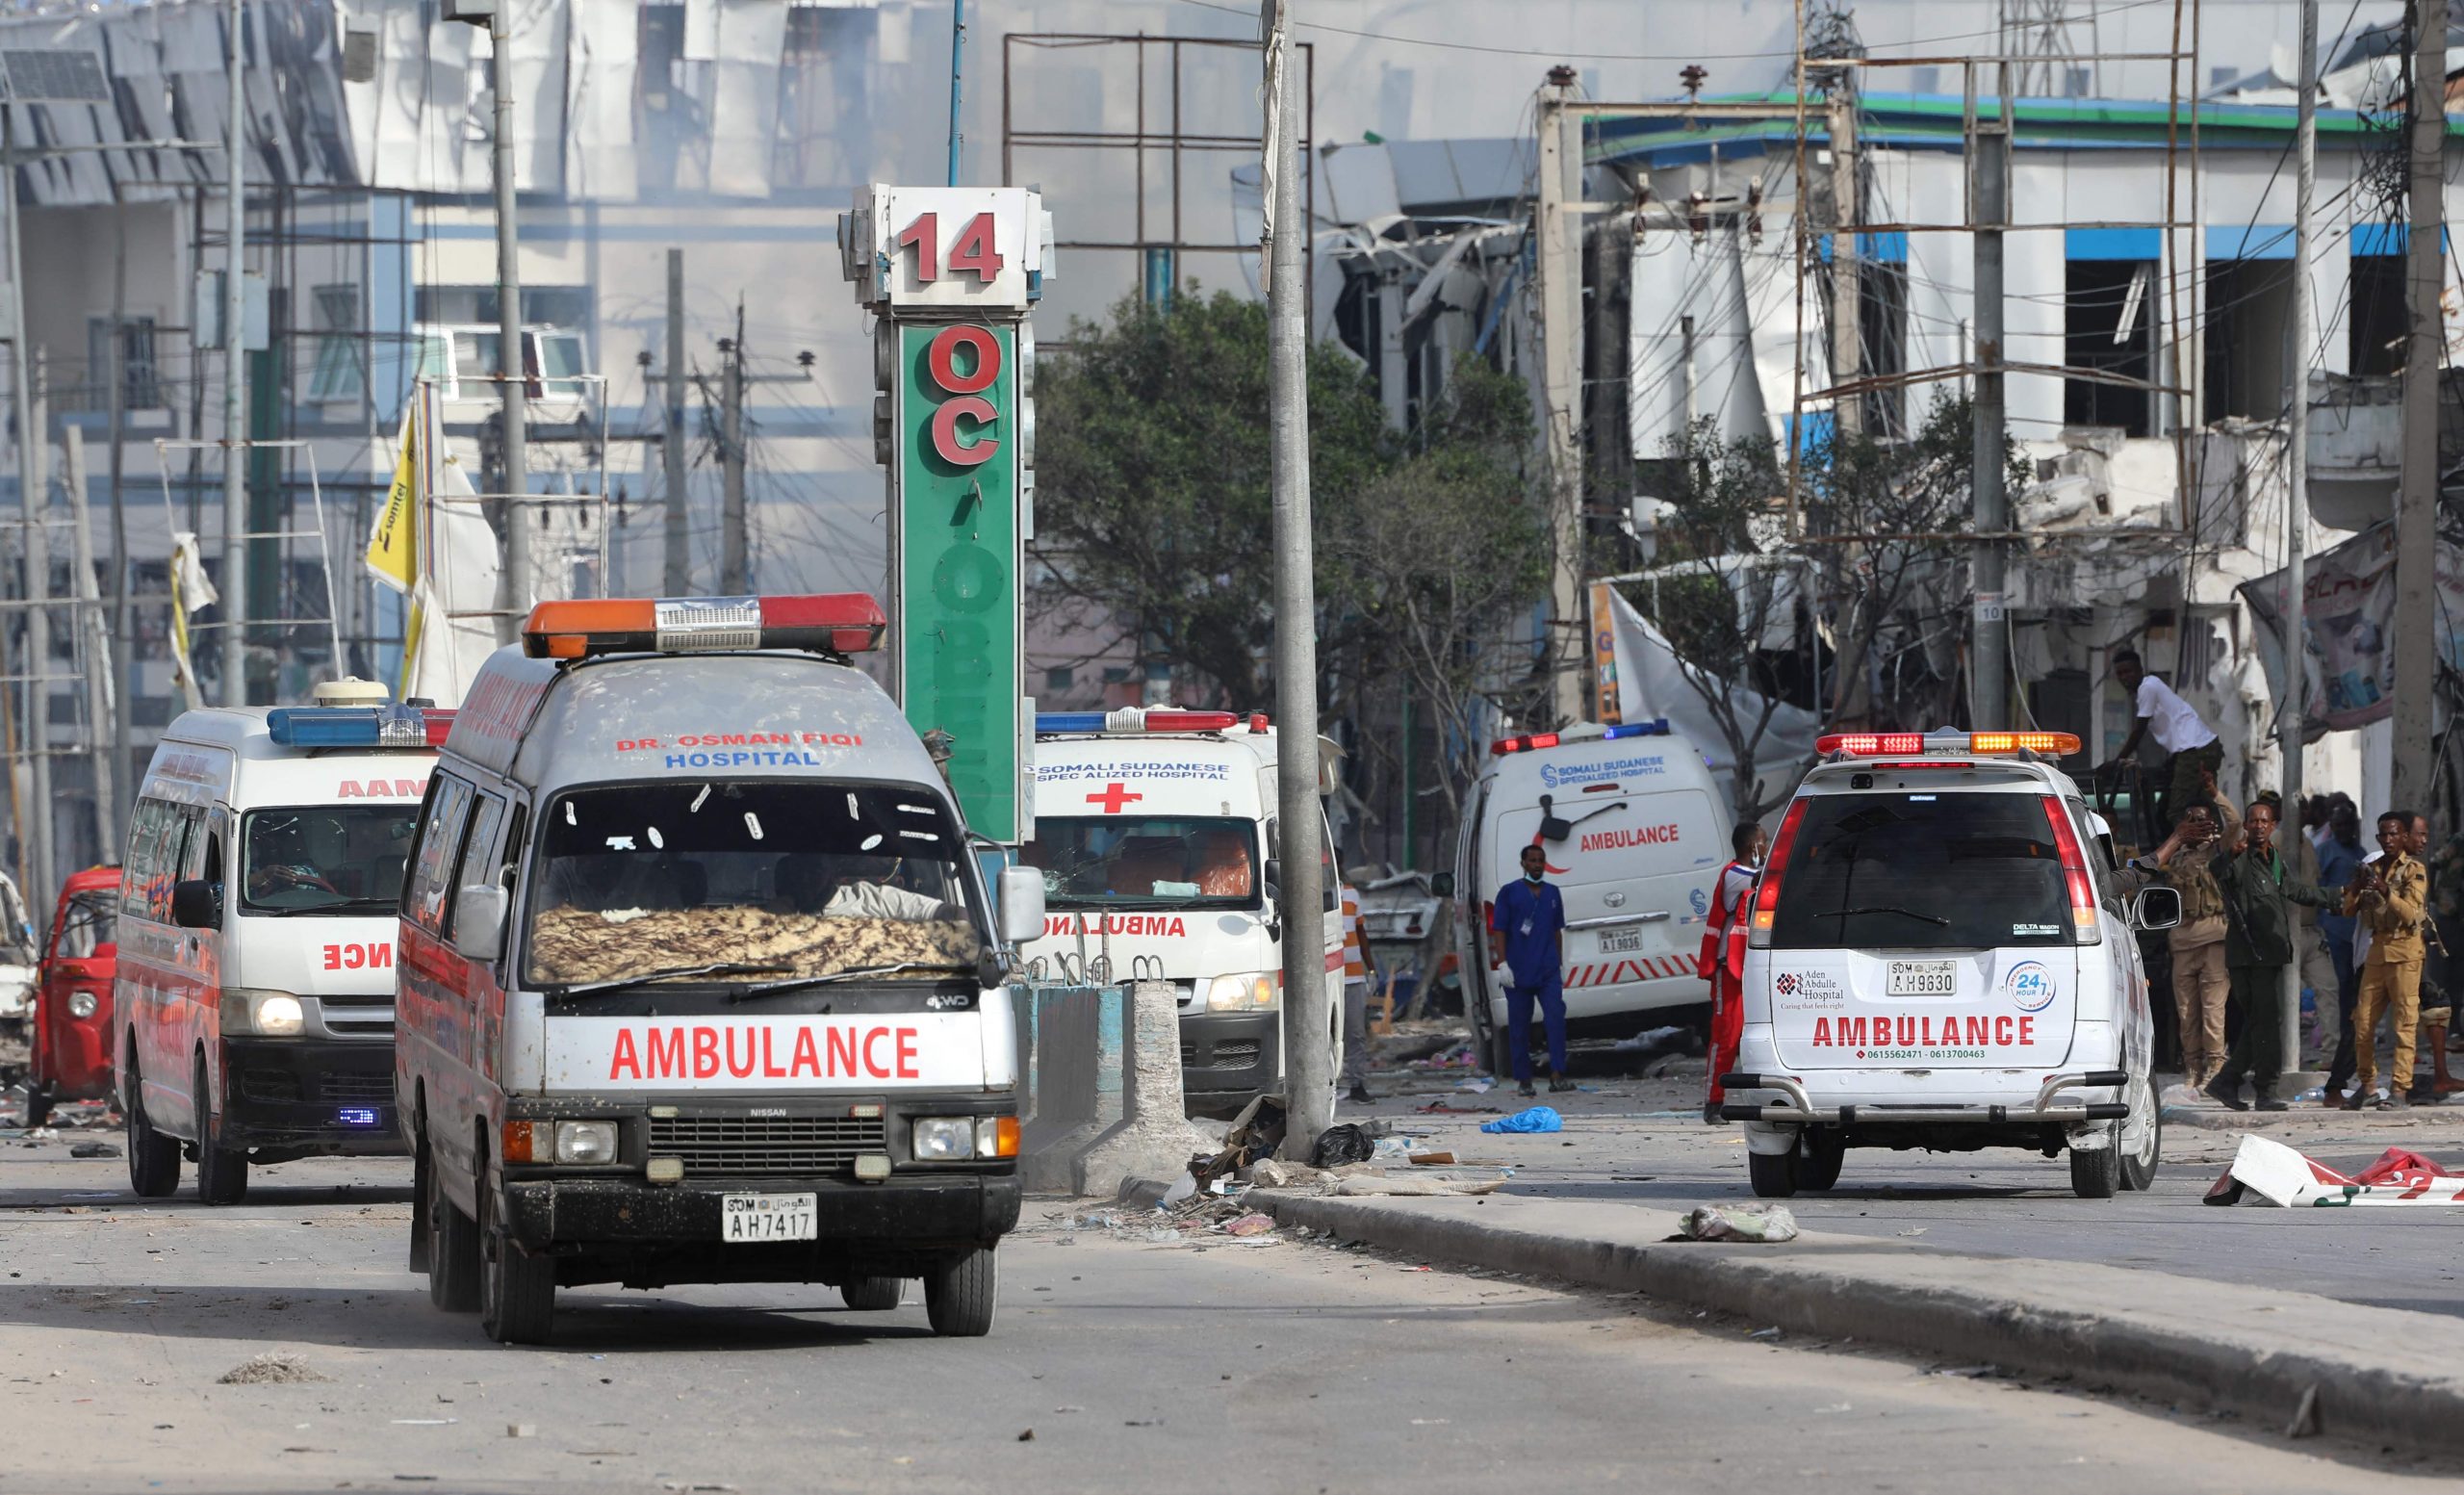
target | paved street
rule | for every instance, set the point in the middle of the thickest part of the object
(1137, 1365)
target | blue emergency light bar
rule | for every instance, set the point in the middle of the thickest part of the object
(1656, 726)
(1139, 718)
(358, 725)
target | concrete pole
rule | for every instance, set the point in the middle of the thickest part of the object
(2296, 489)
(235, 384)
(93, 642)
(675, 577)
(38, 554)
(123, 723)
(1990, 158)
(1847, 350)
(34, 809)
(2416, 623)
(735, 569)
(1308, 1012)
(513, 581)
(1561, 273)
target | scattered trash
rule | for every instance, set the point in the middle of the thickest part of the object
(520, 1430)
(272, 1368)
(1536, 1118)
(1394, 1146)
(1027, 1435)
(1441, 1108)
(1673, 1039)
(1765, 1223)
(1270, 1174)
(2281, 1176)
(1918, 1230)
(93, 1149)
(1256, 1133)
(2305, 1416)
(1431, 1159)
(1182, 1188)
(1337, 1145)
(1480, 1086)
(1250, 1224)
(1773, 1332)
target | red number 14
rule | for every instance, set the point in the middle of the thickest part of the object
(972, 255)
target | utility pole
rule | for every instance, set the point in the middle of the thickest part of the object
(1308, 1013)
(958, 53)
(675, 577)
(91, 643)
(2416, 620)
(31, 796)
(2297, 490)
(36, 552)
(234, 382)
(734, 567)
(1988, 194)
(513, 577)
(123, 726)
(1848, 411)
(1560, 274)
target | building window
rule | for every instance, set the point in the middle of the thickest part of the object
(1060, 679)
(140, 387)
(2109, 328)
(2249, 317)
(337, 374)
(2375, 339)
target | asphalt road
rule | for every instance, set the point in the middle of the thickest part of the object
(1137, 1366)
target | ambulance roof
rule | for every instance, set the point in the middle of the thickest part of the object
(241, 731)
(227, 751)
(771, 714)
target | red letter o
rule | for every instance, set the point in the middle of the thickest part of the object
(945, 431)
(942, 358)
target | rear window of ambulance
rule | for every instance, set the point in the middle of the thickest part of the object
(1922, 871)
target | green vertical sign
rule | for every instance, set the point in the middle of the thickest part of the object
(956, 622)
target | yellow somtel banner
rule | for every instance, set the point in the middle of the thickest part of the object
(393, 546)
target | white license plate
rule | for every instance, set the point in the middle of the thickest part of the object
(766, 1217)
(1620, 942)
(1924, 978)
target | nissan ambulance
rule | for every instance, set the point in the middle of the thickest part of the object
(1941, 954)
(699, 978)
(252, 1005)
(1159, 840)
(1634, 832)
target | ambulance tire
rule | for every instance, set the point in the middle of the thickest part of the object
(958, 1295)
(452, 1250)
(221, 1172)
(2096, 1174)
(517, 1290)
(2139, 1164)
(873, 1295)
(153, 1159)
(1821, 1153)
(1774, 1173)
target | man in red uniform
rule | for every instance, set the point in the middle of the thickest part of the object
(1722, 961)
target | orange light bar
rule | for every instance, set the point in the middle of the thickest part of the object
(834, 623)
(1872, 744)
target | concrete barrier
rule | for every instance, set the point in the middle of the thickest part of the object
(1101, 1095)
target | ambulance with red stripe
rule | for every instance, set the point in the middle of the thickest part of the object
(253, 1003)
(1634, 832)
(701, 981)
(1159, 840)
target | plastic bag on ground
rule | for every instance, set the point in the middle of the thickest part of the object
(1763, 1222)
(1538, 1118)
(1340, 1144)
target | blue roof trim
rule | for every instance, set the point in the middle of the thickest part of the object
(2113, 244)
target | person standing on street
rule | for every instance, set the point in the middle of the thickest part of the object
(1529, 928)
(1721, 960)
(2258, 944)
(2196, 758)
(2389, 897)
(1355, 1003)
(2200, 983)
(2340, 856)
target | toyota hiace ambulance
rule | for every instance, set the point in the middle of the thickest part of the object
(1940, 954)
(699, 975)
(1159, 840)
(252, 1004)
(1635, 834)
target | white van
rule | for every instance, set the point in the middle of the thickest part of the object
(701, 982)
(253, 1007)
(1635, 835)
(1941, 955)
(1158, 837)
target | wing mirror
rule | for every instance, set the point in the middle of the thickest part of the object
(196, 904)
(479, 923)
(1442, 886)
(1021, 905)
(2157, 908)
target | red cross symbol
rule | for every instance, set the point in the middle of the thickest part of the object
(1114, 796)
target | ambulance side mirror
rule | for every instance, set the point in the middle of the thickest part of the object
(479, 923)
(2157, 908)
(1021, 905)
(1442, 886)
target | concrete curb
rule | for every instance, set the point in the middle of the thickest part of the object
(2252, 1352)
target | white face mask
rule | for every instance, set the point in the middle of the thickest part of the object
(1531, 877)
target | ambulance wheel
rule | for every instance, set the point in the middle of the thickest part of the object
(2095, 1174)
(452, 1250)
(153, 1159)
(1774, 1173)
(1821, 1153)
(2142, 1148)
(221, 1172)
(872, 1295)
(958, 1295)
(517, 1290)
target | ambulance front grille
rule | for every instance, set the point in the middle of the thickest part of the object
(744, 1144)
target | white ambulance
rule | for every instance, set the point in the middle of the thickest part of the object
(1635, 834)
(1159, 840)
(253, 1007)
(699, 980)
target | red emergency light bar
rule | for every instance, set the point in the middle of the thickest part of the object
(1141, 719)
(1875, 744)
(831, 623)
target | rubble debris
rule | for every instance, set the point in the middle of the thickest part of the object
(93, 1149)
(1252, 1223)
(1255, 1133)
(1764, 1222)
(520, 1429)
(1431, 1159)
(1533, 1119)
(274, 1368)
(2281, 1176)
(1441, 1108)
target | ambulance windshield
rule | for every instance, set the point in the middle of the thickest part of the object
(339, 860)
(747, 884)
(1100, 861)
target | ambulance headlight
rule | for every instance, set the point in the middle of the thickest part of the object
(586, 1143)
(943, 1139)
(81, 1004)
(1256, 991)
(249, 1012)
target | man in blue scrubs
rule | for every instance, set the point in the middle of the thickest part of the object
(1530, 927)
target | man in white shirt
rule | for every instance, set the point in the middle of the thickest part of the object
(2197, 755)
